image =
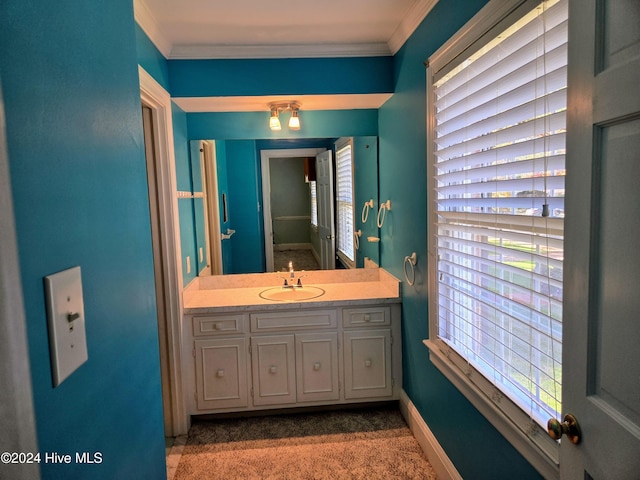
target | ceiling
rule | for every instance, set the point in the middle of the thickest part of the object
(215, 29)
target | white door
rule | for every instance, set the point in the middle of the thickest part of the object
(324, 192)
(601, 338)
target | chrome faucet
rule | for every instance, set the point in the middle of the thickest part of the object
(291, 271)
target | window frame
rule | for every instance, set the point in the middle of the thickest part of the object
(526, 436)
(339, 145)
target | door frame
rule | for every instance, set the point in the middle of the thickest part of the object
(17, 416)
(265, 158)
(212, 203)
(157, 98)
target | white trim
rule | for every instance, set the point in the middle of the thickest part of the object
(202, 52)
(410, 22)
(17, 416)
(482, 22)
(153, 95)
(210, 177)
(265, 157)
(339, 145)
(443, 466)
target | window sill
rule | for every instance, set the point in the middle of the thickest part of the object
(536, 447)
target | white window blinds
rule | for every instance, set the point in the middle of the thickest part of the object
(499, 123)
(344, 202)
(313, 194)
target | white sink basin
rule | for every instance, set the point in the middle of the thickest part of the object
(295, 294)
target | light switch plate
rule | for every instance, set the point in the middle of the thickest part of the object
(65, 312)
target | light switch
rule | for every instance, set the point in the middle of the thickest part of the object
(65, 312)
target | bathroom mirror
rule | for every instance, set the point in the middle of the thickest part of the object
(233, 187)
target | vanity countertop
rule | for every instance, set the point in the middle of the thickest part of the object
(242, 292)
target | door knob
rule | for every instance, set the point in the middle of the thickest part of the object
(569, 427)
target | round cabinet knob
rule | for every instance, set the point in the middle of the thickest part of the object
(367, 363)
(316, 366)
(569, 427)
(367, 317)
(273, 369)
(220, 373)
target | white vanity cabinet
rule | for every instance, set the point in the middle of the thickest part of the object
(289, 357)
(220, 361)
(294, 367)
(368, 370)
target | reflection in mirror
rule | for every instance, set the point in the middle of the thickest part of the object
(239, 230)
(205, 197)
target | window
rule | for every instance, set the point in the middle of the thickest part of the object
(344, 201)
(497, 105)
(313, 194)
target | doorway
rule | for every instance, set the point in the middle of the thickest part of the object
(156, 104)
(269, 159)
(292, 225)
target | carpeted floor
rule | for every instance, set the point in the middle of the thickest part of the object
(302, 260)
(368, 444)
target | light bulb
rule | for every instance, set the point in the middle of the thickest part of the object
(294, 121)
(274, 121)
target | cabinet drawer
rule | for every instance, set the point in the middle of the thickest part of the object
(368, 316)
(295, 320)
(218, 324)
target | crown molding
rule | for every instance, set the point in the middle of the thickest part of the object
(279, 51)
(414, 17)
(147, 21)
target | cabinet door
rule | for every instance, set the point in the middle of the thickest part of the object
(221, 373)
(367, 363)
(317, 367)
(273, 366)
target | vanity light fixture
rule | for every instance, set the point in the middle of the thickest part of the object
(276, 108)
(274, 121)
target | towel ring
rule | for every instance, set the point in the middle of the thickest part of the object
(365, 210)
(411, 260)
(382, 212)
(356, 238)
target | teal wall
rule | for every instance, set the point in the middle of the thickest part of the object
(150, 58)
(78, 175)
(186, 205)
(365, 159)
(289, 76)
(244, 195)
(255, 125)
(476, 448)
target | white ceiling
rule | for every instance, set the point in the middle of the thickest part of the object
(200, 29)
(279, 28)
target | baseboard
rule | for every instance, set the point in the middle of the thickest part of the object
(445, 470)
